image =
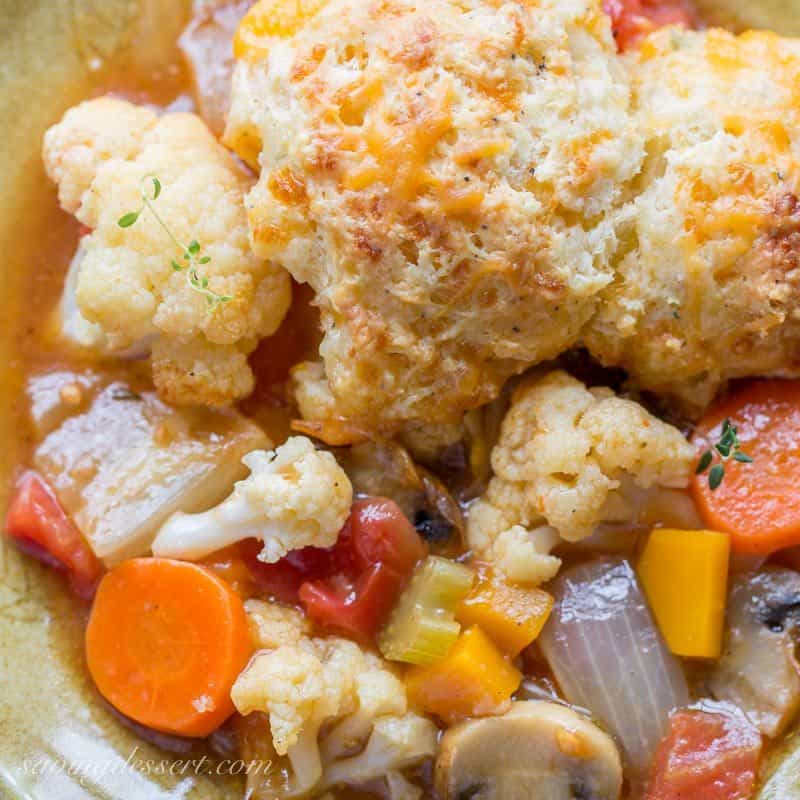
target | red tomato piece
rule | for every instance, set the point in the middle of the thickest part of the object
(377, 550)
(41, 528)
(356, 610)
(632, 20)
(381, 533)
(351, 587)
(706, 756)
(284, 578)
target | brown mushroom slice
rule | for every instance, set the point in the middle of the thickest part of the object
(781, 774)
(758, 670)
(537, 751)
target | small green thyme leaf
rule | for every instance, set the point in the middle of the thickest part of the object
(727, 447)
(705, 462)
(715, 476)
(126, 220)
(190, 253)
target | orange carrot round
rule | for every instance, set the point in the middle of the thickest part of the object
(166, 640)
(758, 503)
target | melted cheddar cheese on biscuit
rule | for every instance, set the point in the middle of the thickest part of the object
(442, 175)
(708, 273)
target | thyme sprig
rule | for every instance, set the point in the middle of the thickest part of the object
(191, 253)
(728, 447)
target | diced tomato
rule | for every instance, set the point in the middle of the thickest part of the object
(284, 578)
(377, 550)
(41, 528)
(351, 587)
(357, 610)
(382, 533)
(631, 20)
(706, 756)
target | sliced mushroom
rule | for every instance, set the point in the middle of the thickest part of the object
(758, 670)
(536, 751)
(781, 773)
(384, 467)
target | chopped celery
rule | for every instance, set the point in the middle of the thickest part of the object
(441, 584)
(420, 638)
(422, 627)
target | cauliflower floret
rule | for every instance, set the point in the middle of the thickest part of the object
(273, 624)
(569, 458)
(295, 496)
(304, 683)
(290, 683)
(102, 155)
(395, 743)
(311, 391)
(524, 555)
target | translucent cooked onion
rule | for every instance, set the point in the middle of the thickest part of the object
(207, 47)
(607, 655)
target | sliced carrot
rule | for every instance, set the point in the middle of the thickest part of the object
(757, 503)
(165, 642)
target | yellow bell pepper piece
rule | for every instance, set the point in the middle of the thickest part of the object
(684, 575)
(271, 18)
(512, 616)
(474, 680)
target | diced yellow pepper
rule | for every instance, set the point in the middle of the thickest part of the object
(271, 18)
(474, 680)
(684, 575)
(512, 616)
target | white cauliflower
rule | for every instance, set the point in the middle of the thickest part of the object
(295, 496)
(273, 624)
(312, 392)
(102, 154)
(569, 458)
(524, 555)
(395, 743)
(304, 683)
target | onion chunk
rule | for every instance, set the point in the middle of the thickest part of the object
(608, 656)
(129, 461)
